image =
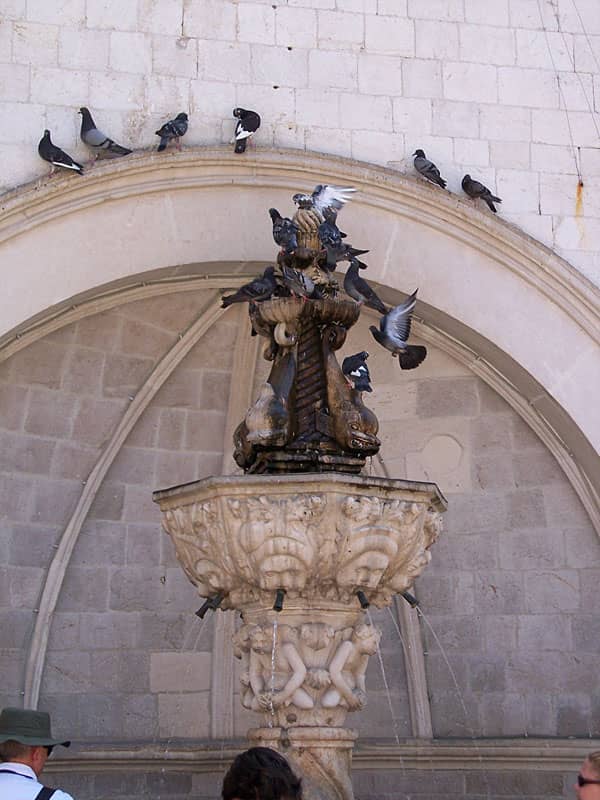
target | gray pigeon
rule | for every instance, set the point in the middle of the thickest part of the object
(98, 141)
(356, 371)
(55, 156)
(393, 333)
(284, 232)
(325, 196)
(475, 189)
(428, 169)
(172, 131)
(358, 289)
(298, 282)
(261, 288)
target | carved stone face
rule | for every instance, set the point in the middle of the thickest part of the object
(364, 570)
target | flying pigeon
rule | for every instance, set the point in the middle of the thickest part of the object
(97, 140)
(428, 169)
(358, 289)
(325, 196)
(298, 282)
(261, 288)
(475, 189)
(284, 232)
(172, 130)
(55, 156)
(393, 333)
(356, 371)
(248, 123)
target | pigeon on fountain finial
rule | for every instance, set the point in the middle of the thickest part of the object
(261, 288)
(358, 289)
(356, 371)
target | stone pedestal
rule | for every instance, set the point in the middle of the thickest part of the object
(300, 556)
(321, 755)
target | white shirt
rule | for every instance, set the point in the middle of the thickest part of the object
(24, 785)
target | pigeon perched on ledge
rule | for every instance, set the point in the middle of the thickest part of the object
(248, 124)
(428, 169)
(356, 371)
(55, 156)
(172, 131)
(358, 289)
(477, 190)
(261, 288)
(98, 141)
(393, 333)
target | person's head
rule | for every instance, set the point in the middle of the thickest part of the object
(26, 738)
(261, 774)
(588, 780)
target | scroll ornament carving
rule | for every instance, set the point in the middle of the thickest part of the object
(310, 669)
(314, 545)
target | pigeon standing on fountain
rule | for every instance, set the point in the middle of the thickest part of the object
(97, 140)
(324, 196)
(475, 189)
(285, 232)
(261, 288)
(393, 333)
(298, 282)
(172, 131)
(55, 156)
(358, 289)
(428, 169)
(247, 125)
(356, 371)
(331, 237)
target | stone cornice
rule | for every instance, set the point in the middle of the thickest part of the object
(525, 754)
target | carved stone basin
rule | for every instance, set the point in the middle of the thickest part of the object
(322, 544)
(321, 537)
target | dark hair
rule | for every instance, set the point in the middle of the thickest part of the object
(261, 774)
(11, 749)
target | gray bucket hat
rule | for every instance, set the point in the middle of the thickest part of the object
(27, 727)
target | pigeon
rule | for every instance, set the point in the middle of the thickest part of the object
(324, 196)
(284, 232)
(261, 288)
(358, 289)
(428, 169)
(97, 140)
(356, 371)
(248, 124)
(331, 237)
(393, 333)
(172, 130)
(298, 282)
(475, 189)
(55, 156)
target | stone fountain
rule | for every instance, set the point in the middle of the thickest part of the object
(302, 542)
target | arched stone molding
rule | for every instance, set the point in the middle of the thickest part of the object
(69, 235)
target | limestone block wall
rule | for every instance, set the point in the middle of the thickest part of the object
(504, 89)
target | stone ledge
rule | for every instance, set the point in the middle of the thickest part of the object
(542, 755)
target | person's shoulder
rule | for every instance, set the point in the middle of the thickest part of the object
(60, 795)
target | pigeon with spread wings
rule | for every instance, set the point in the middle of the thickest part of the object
(393, 333)
(324, 196)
